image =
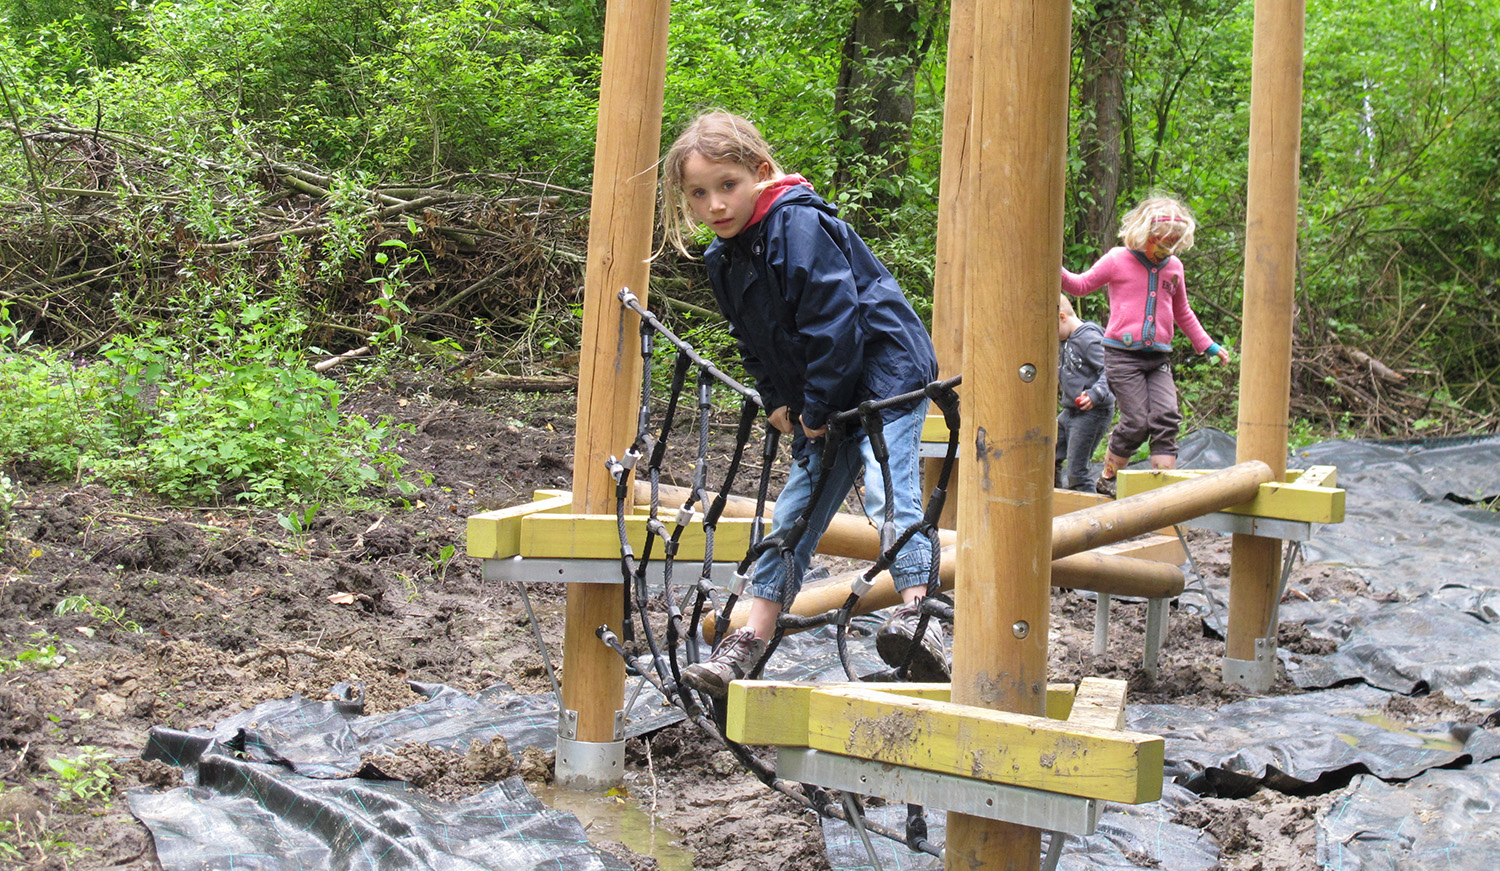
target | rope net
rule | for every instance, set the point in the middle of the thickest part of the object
(660, 661)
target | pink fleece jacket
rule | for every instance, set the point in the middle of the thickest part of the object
(1147, 301)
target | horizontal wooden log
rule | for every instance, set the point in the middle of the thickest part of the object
(1307, 495)
(1128, 517)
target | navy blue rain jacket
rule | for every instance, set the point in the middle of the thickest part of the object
(821, 324)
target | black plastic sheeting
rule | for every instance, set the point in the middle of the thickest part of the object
(1301, 744)
(280, 786)
(1407, 799)
(1127, 835)
(1442, 819)
(327, 738)
(249, 815)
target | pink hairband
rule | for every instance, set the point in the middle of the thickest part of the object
(1159, 218)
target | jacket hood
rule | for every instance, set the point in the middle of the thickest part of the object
(773, 194)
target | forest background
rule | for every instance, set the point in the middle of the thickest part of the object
(200, 199)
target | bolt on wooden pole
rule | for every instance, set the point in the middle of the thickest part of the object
(1265, 371)
(591, 745)
(1013, 246)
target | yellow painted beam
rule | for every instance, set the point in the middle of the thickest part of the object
(1099, 701)
(1307, 495)
(597, 536)
(497, 534)
(1154, 547)
(996, 746)
(775, 712)
(935, 429)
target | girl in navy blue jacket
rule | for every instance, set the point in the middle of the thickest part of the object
(822, 326)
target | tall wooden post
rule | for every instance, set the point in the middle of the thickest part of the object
(591, 743)
(1013, 243)
(948, 271)
(1270, 271)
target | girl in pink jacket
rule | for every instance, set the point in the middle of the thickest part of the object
(1147, 303)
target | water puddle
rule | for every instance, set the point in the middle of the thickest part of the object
(615, 818)
(1429, 740)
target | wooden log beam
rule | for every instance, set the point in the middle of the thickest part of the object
(627, 146)
(1100, 572)
(1270, 292)
(1135, 515)
(1306, 495)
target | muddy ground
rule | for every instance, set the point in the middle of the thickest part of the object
(234, 609)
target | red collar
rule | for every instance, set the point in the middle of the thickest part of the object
(773, 193)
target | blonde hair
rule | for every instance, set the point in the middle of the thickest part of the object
(1065, 305)
(1139, 223)
(718, 136)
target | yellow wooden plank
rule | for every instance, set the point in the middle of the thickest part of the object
(1297, 498)
(775, 712)
(597, 536)
(497, 534)
(1100, 701)
(935, 429)
(996, 746)
(1316, 476)
(1155, 547)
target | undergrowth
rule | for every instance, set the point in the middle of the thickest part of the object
(226, 411)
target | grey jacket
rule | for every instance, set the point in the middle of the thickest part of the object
(1080, 367)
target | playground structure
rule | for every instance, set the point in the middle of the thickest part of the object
(1005, 140)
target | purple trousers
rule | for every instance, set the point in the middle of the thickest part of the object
(1147, 399)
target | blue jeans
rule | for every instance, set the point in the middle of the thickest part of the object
(1078, 434)
(903, 437)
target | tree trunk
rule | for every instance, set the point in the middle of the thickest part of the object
(1102, 43)
(874, 103)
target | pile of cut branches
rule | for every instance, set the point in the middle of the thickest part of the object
(1351, 391)
(109, 226)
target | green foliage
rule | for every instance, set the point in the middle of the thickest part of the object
(42, 651)
(441, 561)
(428, 87)
(75, 35)
(250, 415)
(84, 779)
(232, 413)
(10, 494)
(102, 614)
(29, 845)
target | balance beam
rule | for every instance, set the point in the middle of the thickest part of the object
(1076, 538)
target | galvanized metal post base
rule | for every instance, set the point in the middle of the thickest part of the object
(590, 766)
(1255, 675)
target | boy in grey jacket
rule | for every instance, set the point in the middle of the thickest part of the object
(1087, 403)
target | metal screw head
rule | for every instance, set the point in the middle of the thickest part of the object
(1020, 629)
(1028, 373)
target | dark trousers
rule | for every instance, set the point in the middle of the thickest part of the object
(1147, 399)
(1078, 434)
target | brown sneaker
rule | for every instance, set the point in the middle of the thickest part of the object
(929, 659)
(732, 660)
(1105, 486)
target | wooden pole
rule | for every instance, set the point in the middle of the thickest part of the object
(1013, 244)
(948, 270)
(591, 745)
(1265, 372)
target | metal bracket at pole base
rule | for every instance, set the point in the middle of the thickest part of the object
(587, 765)
(1255, 675)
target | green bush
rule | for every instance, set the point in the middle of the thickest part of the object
(240, 417)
